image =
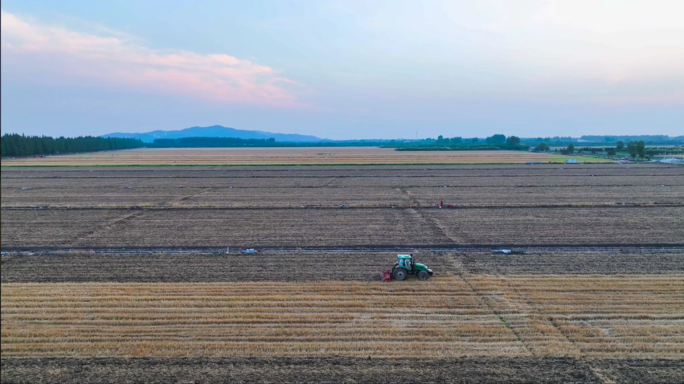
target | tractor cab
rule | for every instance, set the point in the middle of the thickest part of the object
(405, 261)
(405, 266)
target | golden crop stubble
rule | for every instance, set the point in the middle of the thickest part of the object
(438, 318)
(284, 156)
(545, 315)
(602, 316)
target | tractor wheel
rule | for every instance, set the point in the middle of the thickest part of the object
(423, 275)
(399, 274)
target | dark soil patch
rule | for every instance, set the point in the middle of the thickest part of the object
(204, 268)
(574, 263)
(340, 370)
(302, 370)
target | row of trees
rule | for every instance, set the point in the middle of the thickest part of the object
(636, 148)
(493, 142)
(20, 145)
(497, 139)
(633, 148)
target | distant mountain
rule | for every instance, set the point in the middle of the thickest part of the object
(213, 131)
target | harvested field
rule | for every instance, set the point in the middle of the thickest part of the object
(318, 266)
(280, 156)
(439, 318)
(562, 263)
(341, 227)
(37, 228)
(561, 226)
(549, 196)
(498, 170)
(478, 315)
(596, 316)
(333, 186)
(235, 228)
(296, 197)
(205, 268)
(308, 308)
(335, 370)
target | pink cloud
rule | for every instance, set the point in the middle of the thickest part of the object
(662, 99)
(79, 58)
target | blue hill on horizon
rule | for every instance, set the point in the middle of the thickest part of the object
(213, 131)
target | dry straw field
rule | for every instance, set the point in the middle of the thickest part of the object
(283, 156)
(472, 315)
(121, 274)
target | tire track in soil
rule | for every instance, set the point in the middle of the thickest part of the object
(459, 273)
(81, 239)
(601, 375)
(434, 223)
(522, 306)
(174, 203)
(410, 197)
(529, 307)
(434, 226)
(328, 183)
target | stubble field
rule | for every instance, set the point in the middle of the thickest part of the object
(284, 156)
(121, 274)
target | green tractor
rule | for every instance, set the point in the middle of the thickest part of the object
(405, 267)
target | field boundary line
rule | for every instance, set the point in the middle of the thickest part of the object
(338, 176)
(454, 207)
(280, 165)
(399, 167)
(443, 248)
(564, 186)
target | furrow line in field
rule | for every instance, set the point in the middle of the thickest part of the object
(437, 248)
(328, 176)
(336, 207)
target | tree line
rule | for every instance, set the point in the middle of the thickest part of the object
(21, 145)
(647, 139)
(633, 148)
(494, 142)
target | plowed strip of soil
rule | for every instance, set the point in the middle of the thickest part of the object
(341, 227)
(205, 268)
(83, 267)
(340, 370)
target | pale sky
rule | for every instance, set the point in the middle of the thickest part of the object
(344, 69)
